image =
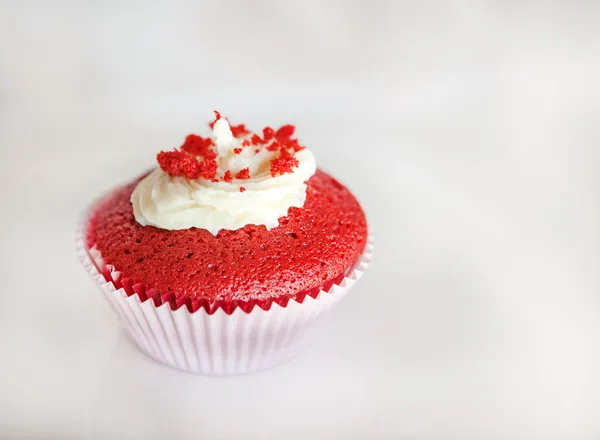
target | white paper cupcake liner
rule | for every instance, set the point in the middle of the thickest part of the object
(217, 343)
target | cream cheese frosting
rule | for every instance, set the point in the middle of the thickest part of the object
(176, 202)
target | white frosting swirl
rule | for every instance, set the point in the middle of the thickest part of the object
(171, 203)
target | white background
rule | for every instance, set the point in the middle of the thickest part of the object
(469, 131)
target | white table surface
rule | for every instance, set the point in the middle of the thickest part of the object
(469, 132)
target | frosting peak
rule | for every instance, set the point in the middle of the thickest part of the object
(223, 137)
(239, 178)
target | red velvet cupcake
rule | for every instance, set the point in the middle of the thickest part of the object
(221, 259)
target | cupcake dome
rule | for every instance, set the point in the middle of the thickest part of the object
(312, 248)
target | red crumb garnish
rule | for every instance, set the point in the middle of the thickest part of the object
(196, 157)
(291, 143)
(199, 146)
(239, 130)
(283, 164)
(256, 140)
(286, 131)
(177, 163)
(268, 134)
(243, 174)
(296, 146)
(242, 189)
(169, 161)
(208, 168)
(274, 146)
(214, 180)
(191, 168)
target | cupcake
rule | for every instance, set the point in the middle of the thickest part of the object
(221, 259)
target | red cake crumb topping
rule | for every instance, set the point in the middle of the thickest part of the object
(268, 134)
(274, 146)
(283, 164)
(285, 132)
(199, 146)
(170, 162)
(196, 156)
(242, 189)
(243, 174)
(297, 147)
(177, 163)
(208, 168)
(191, 168)
(239, 130)
(256, 140)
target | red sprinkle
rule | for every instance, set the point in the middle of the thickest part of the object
(214, 180)
(283, 164)
(245, 143)
(257, 151)
(243, 174)
(237, 150)
(227, 177)
(208, 168)
(242, 189)
(286, 131)
(199, 146)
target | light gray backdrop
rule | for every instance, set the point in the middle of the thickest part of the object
(470, 132)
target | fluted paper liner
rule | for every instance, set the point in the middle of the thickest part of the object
(217, 343)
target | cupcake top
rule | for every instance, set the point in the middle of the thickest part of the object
(235, 220)
(229, 181)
